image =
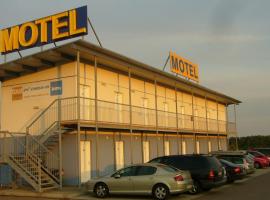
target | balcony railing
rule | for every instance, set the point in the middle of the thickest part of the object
(119, 114)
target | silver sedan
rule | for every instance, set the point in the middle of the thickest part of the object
(143, 179)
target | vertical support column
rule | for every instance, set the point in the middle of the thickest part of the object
(96, 119)
(218, 137)
(60, 134)
(156, 116)
(236, 139)
(79, 117)
(227, 136)
(193, 124)
(130, 116)
(206, 122)
(177, 125)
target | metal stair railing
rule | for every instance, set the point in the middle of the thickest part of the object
(49, 160)
(14, 153)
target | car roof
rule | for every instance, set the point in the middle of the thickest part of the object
(232, 153)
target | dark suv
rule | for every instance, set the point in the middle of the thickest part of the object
(206, 171)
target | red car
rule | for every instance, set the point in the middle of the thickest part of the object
(260, 160)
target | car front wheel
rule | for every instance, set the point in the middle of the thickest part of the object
(101, 190)
(160, 192)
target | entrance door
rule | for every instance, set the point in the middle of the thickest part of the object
(119, 154)
(198, 147)
(166, 148)
(85, 102)
(209, 146)
(184, 148)
(85, 161)
(145, 151)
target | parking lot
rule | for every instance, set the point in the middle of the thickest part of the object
(255, 186)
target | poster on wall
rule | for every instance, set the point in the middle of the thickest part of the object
(52, 88)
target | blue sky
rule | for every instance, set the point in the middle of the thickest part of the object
(229, 39)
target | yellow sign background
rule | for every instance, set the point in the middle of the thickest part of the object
(184, 67)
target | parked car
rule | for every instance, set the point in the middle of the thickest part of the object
(206, 171)
(240, 158)
(265, 151)
(143, 179)
(233, 171)
(260, 160)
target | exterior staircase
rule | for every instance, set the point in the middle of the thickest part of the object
(28, 165)
(34, 155)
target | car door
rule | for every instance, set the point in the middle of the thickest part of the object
(120, 182)
(144, 179)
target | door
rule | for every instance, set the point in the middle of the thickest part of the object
(166, 148)
(121, 182)
(184, 147)
(166, 114)
(198, 147)
(209, 146)
(144, 180)
(119, 155)
(145, 106)
(85, 161)
(183, 118)
(145, 151)
(119, 107)
(85, 102)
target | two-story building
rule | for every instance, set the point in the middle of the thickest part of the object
(87, 111)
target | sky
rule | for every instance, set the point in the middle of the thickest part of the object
(229, 39)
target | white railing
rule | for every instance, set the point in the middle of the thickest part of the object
(116, 113)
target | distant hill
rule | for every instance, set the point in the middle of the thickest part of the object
(250, 141)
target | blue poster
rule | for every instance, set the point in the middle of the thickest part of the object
(56, 88)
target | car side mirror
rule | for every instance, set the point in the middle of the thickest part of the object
(117, 176)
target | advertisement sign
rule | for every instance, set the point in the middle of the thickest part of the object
(52, 88)
(184, 67)
(68, 24)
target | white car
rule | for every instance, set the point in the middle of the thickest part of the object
(143, 179)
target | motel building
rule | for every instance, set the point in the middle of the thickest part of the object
(78, 111)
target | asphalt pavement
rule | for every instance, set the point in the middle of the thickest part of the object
(255, 188)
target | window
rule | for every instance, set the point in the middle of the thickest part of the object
(129, 171)
(145, 170)
(145, 106)
(168, 168)
(156, 160)
(166, 113)
(119, 106)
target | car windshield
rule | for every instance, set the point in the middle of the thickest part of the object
(256, 153)
(225, 162)
(264, 151)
